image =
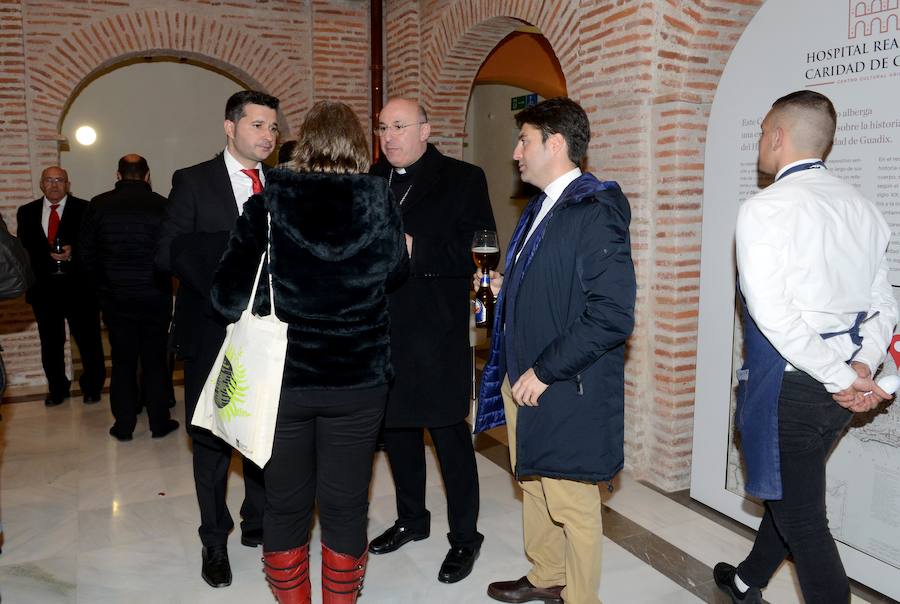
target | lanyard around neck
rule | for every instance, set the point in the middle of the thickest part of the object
(813, 165)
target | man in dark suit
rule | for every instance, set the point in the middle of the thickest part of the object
(118, 242)
(204, 203)
(443, 202)
(58, 294)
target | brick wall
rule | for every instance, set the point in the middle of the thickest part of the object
(646, 72)
(297, 50)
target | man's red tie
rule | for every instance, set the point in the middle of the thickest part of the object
(53, 223)
(253, 173)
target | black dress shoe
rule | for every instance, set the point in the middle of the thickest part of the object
(53, 401)
(251, 537)
(169, 427)
(122, 437)
(523, 591)
(216, 569)
(394, 538)
(458, 564)
(724, 574)
(90, 399)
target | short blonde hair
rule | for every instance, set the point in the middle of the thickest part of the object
(331, 140)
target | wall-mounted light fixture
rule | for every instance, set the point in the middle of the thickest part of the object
(86, 135)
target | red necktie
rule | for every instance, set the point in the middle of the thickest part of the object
(53, 223)
(253, 173)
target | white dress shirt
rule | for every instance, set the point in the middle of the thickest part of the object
(811, 255)
(553, 191)
(45, 214)
(241, 184)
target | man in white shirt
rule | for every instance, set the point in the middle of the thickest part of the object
(818, 316)
(205, 201)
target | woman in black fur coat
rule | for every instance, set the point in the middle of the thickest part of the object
(337, 248)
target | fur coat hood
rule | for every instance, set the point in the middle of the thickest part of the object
(337, 249)
(329, 215)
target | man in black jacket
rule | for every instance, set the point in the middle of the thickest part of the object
(205, 201)
(443, 202)
(118, 241)
(58, 294)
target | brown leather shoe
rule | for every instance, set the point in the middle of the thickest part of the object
(523, 591)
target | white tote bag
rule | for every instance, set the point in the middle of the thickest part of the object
(239, 401)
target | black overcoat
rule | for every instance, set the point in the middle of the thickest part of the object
(430, 313)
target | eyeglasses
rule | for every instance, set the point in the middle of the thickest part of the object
(54, 181)
(395, 128)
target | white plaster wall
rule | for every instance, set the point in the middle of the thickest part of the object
(491, 134)
(170, 113)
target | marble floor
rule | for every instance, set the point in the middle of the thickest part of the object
(88, 519)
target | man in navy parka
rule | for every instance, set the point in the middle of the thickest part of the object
(556, 369)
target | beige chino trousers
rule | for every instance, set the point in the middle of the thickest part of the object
(562, 525)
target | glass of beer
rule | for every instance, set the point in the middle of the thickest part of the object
(486, 250)
(486, 254)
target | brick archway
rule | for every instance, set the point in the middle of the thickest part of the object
(71, 61)
(460, 42)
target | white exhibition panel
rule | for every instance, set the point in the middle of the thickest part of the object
(848, 50)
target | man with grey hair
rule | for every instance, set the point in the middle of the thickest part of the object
(49, 229)
(818, 315)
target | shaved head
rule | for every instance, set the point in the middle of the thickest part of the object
(809, 119)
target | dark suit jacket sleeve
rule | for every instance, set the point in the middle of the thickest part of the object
(230, 289)
(179, 219)
(450, 254)
(606, 273)
(195, 257)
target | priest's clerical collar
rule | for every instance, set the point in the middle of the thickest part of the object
(410, 170)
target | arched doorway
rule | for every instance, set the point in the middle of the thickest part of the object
(168, 111)
(519, 70)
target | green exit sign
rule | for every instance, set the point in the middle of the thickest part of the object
(520, 102)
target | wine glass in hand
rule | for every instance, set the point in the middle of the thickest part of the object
(58, 248)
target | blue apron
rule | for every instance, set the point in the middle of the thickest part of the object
(756, 414)
(759, 388)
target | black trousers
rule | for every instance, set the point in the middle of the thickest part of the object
(212, 456)
(53, 309)
(809, 425)
(323, 450)
(138, 335)
(456, 455)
